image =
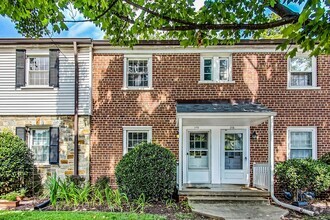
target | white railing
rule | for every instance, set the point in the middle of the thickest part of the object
(261, 175)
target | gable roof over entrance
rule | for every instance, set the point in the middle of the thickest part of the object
(221, 106)
(222, 113)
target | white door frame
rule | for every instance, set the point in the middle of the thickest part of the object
(246, 154)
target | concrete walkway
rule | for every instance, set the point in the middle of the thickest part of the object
(238, 210)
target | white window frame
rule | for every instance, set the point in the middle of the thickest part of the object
(302, 129)
(30, 141)
(314, 73)
(216, 68)
(27, 67)
(35, 53)
(137, 57)
(127, 129)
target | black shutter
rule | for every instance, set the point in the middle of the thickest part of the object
(20, 68)
(54, 145)
(21, 133)
(54, 64)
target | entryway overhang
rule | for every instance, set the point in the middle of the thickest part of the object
(218, 118)
(222, 114)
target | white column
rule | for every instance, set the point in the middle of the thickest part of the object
(180, 153)
(271, 159)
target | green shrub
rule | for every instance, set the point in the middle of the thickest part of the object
(325, 158)
(148, 169)
(303, 174)
(17, 169)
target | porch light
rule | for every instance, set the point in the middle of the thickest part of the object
(254, 135)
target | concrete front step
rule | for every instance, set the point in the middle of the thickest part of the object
(230, 199)
(247, 193)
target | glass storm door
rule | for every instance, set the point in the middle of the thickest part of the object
(234, 157)
(198, 157)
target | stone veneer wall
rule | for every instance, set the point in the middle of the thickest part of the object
(66, 138)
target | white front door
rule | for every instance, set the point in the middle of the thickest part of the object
(198, 157)
(234, 157)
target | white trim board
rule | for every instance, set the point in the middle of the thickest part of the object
(179, 49)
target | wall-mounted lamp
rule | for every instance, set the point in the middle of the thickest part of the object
(254, 135)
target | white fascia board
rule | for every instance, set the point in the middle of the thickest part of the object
(178, 49)
(251, 115)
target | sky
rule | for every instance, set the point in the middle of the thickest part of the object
(81, 30)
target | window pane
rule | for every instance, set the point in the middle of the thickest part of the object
(224, 69)
(207, 62)
(135, 138)
(234, 141)
(40, 145)
(137, 73)
(301, 79)
(198, 152)
(207, 69)
(301, 64)
(38, 71)
(301, 140)
(207, 77)
(233, 160)
(300, 154)
(234, 151)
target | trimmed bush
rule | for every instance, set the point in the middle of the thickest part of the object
(303, 174)
(17, 166)
(148, 169)
(325, 158)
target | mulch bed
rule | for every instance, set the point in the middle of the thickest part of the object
(320, 207)
(174, 211)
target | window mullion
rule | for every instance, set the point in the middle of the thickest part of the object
(216, 69)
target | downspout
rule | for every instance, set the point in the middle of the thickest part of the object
(272, 166)
(76, 104)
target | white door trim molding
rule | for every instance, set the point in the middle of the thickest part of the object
(246, 154)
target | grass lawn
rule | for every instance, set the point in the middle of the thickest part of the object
(70, 215)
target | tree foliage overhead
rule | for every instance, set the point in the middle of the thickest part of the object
(218, 21)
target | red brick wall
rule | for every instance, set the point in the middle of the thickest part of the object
(261, 77)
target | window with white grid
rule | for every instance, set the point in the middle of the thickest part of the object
(136, 135)
(302, 72)
(40, 145)
(302, 143)
(216, 69)
(38, 70)
(137, 72)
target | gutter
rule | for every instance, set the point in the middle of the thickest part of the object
(76, 105)
(272, 168)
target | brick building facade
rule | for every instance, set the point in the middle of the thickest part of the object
(259, 74)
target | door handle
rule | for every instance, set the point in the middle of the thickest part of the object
(245, 158)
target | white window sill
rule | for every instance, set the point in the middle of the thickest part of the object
(216, 82)
(42, 165)
(37, 87)
(304, 88)
(137, 88)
